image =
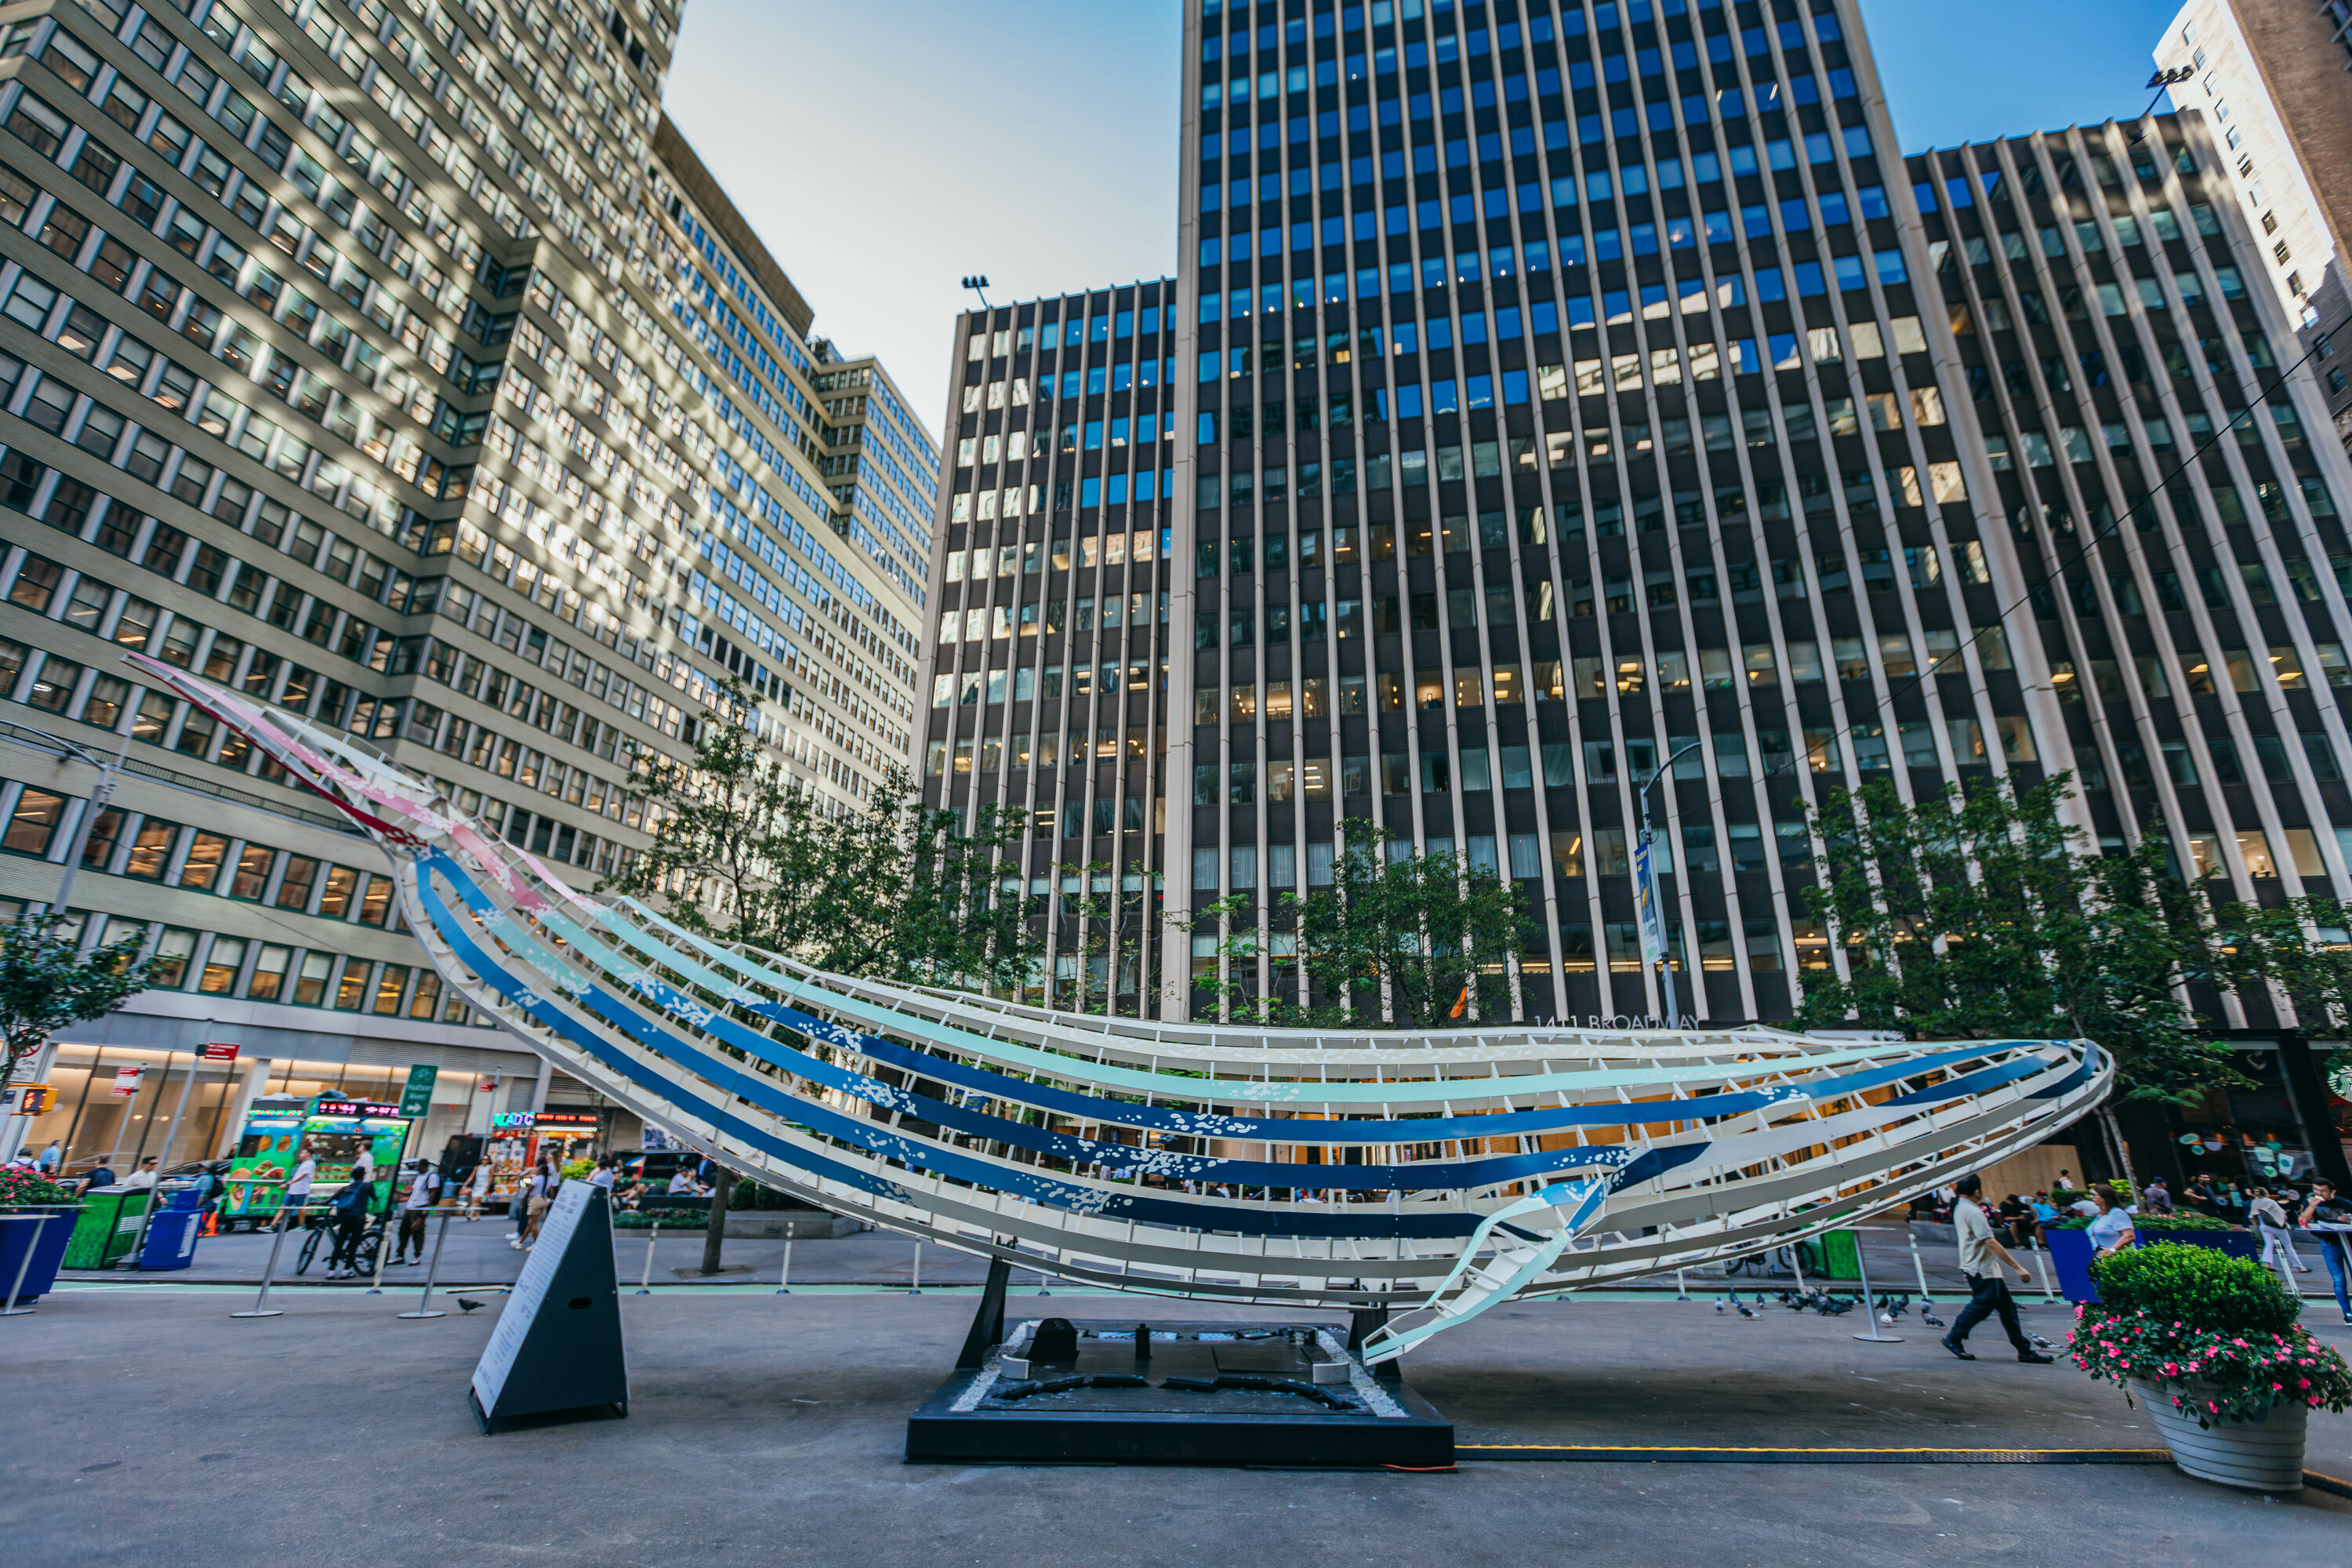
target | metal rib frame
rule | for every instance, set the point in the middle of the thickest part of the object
(1126, 1153)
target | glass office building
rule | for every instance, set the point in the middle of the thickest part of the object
(402, 366)
(1557, 391)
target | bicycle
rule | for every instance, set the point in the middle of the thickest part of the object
(320, 1232)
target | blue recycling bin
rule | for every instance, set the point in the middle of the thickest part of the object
(172, 1232)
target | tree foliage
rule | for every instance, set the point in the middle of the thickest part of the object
(1977, 915)
(46, 982)
(894, 891)
(1420, 941)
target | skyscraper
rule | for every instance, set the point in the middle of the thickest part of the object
(2270, 75)
(1563, 390)
(402, 366)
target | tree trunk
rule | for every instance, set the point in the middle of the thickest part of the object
(2123, 1149)
(714, 1239)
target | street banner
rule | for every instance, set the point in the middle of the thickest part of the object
(1646, 907)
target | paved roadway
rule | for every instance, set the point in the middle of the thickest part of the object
(148, 1428)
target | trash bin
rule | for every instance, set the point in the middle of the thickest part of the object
(107, 1228)
(1833, 1254)
(171, 1234)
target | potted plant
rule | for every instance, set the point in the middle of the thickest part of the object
(2211, 1345)
(27, 1191)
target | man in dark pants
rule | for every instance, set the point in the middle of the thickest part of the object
(1987, 1291)
(349, 1209)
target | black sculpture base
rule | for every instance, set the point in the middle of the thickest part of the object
(1116, 1391)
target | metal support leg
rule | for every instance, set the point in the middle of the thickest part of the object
(987, 1324)
(784, 1275)
(1869, 1302)
(432, 1273)
(261, 1307)
(1363, 1322)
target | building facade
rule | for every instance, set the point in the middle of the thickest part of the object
(2271, 78)
(402, 366)
(1559, 391)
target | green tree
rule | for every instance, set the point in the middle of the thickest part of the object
(893, 890)
(1976, 914)
(46, 982)
(1422, 942)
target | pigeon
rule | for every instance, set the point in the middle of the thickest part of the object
(1744, 1309)
(1930, 1318)
(1718, 1303)
(468, 1306)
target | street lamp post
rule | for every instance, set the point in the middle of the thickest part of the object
(11, 1137)
(103, 793)
(1642, 798)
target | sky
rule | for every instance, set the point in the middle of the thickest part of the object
(885, 149)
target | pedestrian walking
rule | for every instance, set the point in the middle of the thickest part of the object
(2270, 1223)
(1987, 1291)
(519, 1210)
(145, 1178)
(349, 1208)
(603, 1174)
(422, 1185)
(100, 1176)
(542, 1194)
(478, 1191)
(305, 1177)
(51, 1157)
(2329, 1216)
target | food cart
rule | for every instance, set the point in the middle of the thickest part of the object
(334, 1128)
(518, 1137)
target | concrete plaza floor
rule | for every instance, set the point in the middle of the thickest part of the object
(149, 1427)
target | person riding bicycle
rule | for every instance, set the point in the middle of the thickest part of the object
(349, 1208)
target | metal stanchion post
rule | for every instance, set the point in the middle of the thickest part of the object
(1682, 1292)
(1797, 1264)
(918, 1271)
(646, 1286)
(2041, 1267)
(384, 1239)
(1920, 1267)
(40, 1223)
(261, 1307)
(784, 1275)
(1869, 1302)
(432, 1273)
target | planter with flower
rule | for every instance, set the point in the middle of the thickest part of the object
(34, 1248)
(2211, 1346)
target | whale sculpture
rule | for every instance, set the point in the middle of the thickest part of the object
(1431, 1173)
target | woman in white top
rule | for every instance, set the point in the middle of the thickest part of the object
(2112, 1231)
(2269, 1221)
(478, 1191)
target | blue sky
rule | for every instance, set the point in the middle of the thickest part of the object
(886, 148)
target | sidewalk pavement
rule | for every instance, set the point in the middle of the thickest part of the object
(478, 1253)
(148, 1427)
